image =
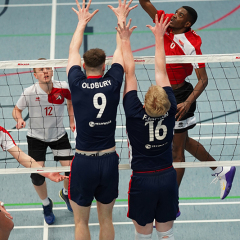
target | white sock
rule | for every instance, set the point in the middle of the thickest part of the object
(65, 191)
(45, 202)
(163, 235)
(218, 170)
(139, 236)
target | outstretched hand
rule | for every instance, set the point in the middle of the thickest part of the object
(55, 176)
(125, 32)
(160, 27)
(123, 9)
(84, 16)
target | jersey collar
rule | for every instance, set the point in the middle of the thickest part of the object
(98, 76)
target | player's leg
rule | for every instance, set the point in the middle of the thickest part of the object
(37, 150)
(143, 232)
(165, 230)
(179, 141)
(105, 220)
(62, 152)
(81, 218)
(225, 175)
(6, 226)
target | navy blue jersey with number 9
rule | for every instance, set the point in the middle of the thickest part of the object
(95, 100)
(149, 138)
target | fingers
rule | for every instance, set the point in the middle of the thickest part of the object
(133, 28)
(88, 6)
(75, 10)
(156, 19)
(78, 5)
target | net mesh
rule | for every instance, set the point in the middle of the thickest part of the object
(217, 110)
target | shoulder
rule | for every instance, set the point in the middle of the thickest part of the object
(193, 38)
(117, 66)
(31, 89)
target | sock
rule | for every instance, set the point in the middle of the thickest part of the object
(163, 235)
(218, 170)
(65, 191)
(45, 202)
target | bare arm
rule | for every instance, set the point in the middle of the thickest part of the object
(159, 30)
(17, 115)
(29, 162)
(121, 13)
(183, 108)
(149, 8)
(125, 33)
(84, 17)
(71, 115)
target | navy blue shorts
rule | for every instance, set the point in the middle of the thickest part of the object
(93, 177)
(153, 196)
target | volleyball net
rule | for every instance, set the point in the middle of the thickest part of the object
(217, 111)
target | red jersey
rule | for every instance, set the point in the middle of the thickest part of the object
(187, 43)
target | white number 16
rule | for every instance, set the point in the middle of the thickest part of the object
(155, 133)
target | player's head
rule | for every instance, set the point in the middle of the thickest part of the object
(44, 74)
(156, 101)
(183, 18)
(94, 60)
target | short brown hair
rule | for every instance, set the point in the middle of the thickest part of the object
(34, 69)
(94, 58)
(156, 101)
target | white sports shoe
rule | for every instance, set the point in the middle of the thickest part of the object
(225, 178)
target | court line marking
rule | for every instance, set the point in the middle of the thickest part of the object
(125, 205)
(131, 223)
(102, 3)
(45, 230)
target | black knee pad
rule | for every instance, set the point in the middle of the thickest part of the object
(37, 179)
(67, 174)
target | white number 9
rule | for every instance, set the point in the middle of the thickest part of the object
(102, 106)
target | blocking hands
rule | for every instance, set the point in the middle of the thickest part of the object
(125, 31)
(122, 10)
(160, 26)
(84, 16)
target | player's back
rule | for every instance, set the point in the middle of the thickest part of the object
(95, 100)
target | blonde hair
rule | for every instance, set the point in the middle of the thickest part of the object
(156, 101)
(34, 69)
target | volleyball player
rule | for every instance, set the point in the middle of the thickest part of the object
(95, 98)
(45, 101)
(8, 144)
(180, 39)
(153, 189)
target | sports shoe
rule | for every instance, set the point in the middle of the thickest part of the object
(226, 178)
(65, 199)
(48, 213)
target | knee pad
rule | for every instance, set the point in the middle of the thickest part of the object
(67, 174)
(166, 235)
(139, 236)
(37, 179)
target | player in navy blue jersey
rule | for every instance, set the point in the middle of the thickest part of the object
(95, 98)
(153, 189)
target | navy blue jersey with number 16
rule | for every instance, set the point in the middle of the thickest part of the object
(149, 138)
(95, 100)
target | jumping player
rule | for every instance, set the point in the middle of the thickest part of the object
(8, 144)
(45, 101)
(180, 39)
(95, 98)
(153, 189)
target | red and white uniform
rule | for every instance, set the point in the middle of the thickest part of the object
(45, 110)
(6, 139)
(188, 43)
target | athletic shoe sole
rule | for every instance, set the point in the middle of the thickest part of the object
(229, 179)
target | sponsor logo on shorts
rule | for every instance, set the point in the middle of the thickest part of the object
(93, 124)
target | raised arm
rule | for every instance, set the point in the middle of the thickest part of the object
(183, 108)
(121, 13)
(71, 115)
(84, 17)
(125, 33)
(159, 30)
(149, 8)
